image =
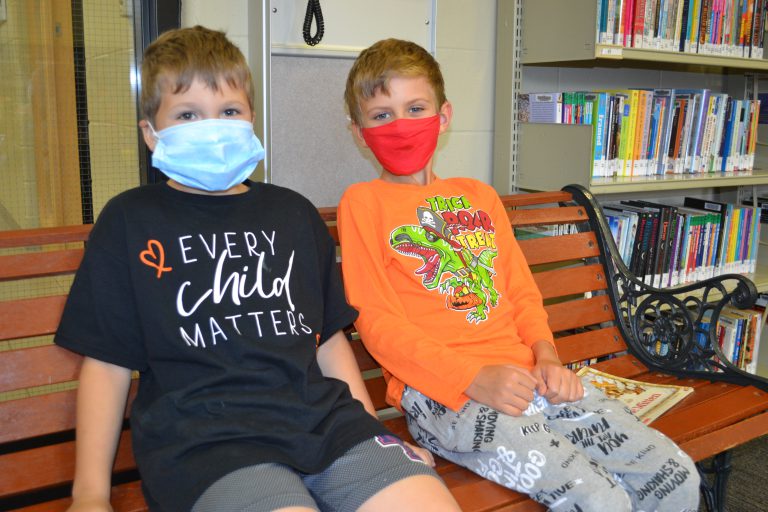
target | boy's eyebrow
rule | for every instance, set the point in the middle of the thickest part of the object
(388, 107)
(416, 100)
(194, 105)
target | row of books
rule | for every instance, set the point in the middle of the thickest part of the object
(733, 28)
(645, 132)
(667, 245)
(738, 335)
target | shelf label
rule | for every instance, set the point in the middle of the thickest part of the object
(610, 52)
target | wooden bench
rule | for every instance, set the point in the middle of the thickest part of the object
(611, 323)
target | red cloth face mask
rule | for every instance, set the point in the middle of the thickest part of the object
(403, 147)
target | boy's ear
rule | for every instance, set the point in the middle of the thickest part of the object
(446, 114)
(149, 137)
(357, 131)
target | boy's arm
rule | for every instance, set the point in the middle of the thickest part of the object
(337, 361)
(101, 399)
(403, 349)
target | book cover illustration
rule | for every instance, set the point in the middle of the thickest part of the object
(646, 401)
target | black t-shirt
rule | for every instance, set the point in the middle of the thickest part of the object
(220, 302)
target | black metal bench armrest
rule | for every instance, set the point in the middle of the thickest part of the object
(673, 330)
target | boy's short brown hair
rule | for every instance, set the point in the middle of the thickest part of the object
(176, 58)
(388, 58)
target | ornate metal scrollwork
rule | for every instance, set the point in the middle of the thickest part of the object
(675, 329)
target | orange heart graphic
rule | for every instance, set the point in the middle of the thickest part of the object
(154, 256)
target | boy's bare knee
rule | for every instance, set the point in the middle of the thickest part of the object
(420, 493)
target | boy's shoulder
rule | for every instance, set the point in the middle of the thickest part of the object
(134, 197)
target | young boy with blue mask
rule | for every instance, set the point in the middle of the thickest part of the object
(224, 295)
(449, 308)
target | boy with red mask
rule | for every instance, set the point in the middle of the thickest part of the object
(224, 295)
(450, 310)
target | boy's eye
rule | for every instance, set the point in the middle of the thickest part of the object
(416, 109)
(186, 116)
(381, 116)
(231, 112)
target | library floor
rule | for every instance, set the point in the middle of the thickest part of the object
(748, 485)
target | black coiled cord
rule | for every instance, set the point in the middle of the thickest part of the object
(313, 11)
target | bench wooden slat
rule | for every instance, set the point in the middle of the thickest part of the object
(627, 366)
(44, 414)
(546, 216)
(712, 415)
(589, 345)
(570, 280)
(48, 466)
(579, 313)
(543, 250)
(125, 498)
(535, 198)
(477, 494)
(49, 263)
(734, 435)
(44, 236)
(704, 392)
(334, 231)
(30, 317)
(327, 213)
(377, 389)
(37, 415)
(364, 359)
(38, 366)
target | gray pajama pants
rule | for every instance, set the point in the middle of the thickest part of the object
(584, 456)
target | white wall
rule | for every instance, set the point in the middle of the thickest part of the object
(465, 48)
(230, 16)
(466, 42)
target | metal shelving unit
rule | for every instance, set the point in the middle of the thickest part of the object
(562, 33)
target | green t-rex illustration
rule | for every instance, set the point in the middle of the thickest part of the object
(470, 286)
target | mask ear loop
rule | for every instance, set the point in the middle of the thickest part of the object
(152, 129)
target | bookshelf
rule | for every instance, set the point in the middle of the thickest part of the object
(561, 34)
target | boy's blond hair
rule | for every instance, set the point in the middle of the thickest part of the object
(386, 59)
(178, 57)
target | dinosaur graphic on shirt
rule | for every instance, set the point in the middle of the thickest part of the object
(470, 282)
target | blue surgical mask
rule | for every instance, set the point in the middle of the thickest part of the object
(212, 155)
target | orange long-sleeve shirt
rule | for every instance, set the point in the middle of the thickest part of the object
(440, 283)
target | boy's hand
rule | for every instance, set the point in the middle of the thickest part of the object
(424, 454)
(506, 388)
(557, 383)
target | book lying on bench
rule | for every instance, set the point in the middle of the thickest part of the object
(647, 401)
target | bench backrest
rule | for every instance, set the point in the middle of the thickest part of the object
(37, 390)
